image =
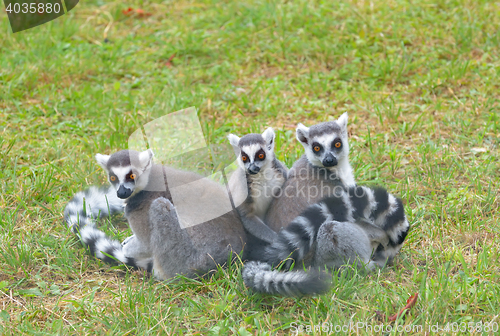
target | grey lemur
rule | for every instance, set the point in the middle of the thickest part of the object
(323, 169)
(264, 176)
(350, 223)
(159, 243)
(340, 230)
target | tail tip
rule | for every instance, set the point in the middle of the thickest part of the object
(261, 278)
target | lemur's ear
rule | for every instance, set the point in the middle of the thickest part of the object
(145, 158)
(234, 140)
(269, 136)
(302, 134)
(342, 121)
(102, 160)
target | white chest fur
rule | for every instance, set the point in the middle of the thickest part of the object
(263, 188)
(344, 171)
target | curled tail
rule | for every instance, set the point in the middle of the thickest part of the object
(260, 277)
(357, 204)
(295, 242)
(81, 215)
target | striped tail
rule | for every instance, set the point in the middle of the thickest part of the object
(81, 214)
(388, 213)
(295, 242)
(89, 205)
(110, 250)
(260, 277)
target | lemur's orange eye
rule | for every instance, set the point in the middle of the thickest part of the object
(261, 156)
(316, 148)
(112, 178)
(338, 144)
(244, 158)
(132, 176)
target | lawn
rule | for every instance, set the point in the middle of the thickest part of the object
(419, 79)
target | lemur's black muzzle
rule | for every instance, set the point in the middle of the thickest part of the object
(123, 192)
(253, 169)
(329, 160)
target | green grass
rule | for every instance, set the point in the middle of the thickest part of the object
(419, 79)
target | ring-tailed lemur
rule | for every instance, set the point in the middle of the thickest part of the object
(159, 243)
(343, 229)
(264, 175)
(150, 214)
(325, 171)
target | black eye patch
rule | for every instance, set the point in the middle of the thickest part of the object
(130, 177)
(337, 144)
(260, 155)
(244, 157)
(317, 148)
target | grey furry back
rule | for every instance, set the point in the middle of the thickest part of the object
(298, 243)
(306, 185)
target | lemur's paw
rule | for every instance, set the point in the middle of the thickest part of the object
(146, 264)
(163, 202)
(164, 208)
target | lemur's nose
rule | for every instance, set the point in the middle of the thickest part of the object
(329, 160)
(123, 192)
(253, 169)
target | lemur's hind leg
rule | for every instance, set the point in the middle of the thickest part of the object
(342, 243)
(173, 249)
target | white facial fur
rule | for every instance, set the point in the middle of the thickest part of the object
(121, 173)
(140, 166)
(326, 140)
(253, 149)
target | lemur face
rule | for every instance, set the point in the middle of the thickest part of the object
(255, 151)
(326, 143)
(128, 170)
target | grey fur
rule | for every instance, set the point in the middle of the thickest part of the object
(308, 180)
(159, 242)
(353, 209)
(357, 228)
(347, 228)
(250, 139)
(263, 185)
(324, 128)
(195, 250)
